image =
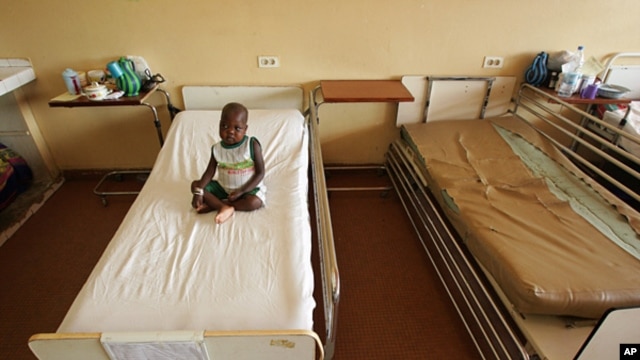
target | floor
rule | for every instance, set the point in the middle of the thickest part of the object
(392, 304)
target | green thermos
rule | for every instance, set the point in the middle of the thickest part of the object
(126, 78)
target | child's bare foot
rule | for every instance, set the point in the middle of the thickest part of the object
(203, 209)
(224, 214)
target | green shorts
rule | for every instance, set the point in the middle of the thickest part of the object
(216, 189)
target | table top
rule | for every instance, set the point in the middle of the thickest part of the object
(61, 101)
(343, 91)
(576, 99)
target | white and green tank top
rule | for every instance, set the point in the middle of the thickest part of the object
(235, 163)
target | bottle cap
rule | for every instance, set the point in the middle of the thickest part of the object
(69, 72)
(115, 69)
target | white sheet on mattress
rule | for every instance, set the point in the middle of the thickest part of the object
(168, 268)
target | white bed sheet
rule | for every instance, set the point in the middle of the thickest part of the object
(168, 268)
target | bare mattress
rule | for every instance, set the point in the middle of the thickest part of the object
(552, 239)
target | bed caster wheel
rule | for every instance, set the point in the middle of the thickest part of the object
(118, 177)
(384, 194)
(104, 200)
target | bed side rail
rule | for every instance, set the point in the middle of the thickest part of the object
(328, 260)
(485, 319)
(593, 144)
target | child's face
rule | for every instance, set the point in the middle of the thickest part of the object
(233, 127)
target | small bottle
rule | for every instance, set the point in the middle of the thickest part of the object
(559, 81)
(553, 79)
(72, 81)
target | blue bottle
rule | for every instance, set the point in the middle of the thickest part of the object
(128, 81)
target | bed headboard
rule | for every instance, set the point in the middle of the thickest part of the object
(214, 97)
(618, 72)
(456, 97)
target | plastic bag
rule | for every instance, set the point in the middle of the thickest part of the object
(557, 59)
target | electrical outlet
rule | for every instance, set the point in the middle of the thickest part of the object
(268, 61)
(493, 62)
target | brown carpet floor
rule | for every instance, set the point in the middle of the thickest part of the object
(392, 303)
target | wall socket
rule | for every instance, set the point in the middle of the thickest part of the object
(268, 61)
(493, 62)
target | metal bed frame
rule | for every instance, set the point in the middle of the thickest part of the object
(237, 344)
(490, 322)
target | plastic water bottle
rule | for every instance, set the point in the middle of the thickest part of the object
(579, 59)
(72, 81)
(578, 64)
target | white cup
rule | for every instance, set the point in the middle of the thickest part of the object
(97, 76)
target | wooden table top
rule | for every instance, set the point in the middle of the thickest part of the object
(344, 91)
(576, 99)
(60, 101)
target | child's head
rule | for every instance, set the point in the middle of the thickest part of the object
(233, 123)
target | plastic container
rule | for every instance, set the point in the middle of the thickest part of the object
(72, 81)
(569, 84)
(586, 80)
(612, 91)
(589, 92)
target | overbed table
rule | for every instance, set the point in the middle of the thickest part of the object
(359, 91)
(345, 91)
(71, 101)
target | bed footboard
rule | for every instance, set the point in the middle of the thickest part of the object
(236, 345)
(493, 333)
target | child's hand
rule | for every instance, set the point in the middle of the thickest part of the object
(197, 202)
(234, 196)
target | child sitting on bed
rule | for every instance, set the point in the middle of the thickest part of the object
(238, 160)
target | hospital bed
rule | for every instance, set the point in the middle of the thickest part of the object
(172, 284)
(536, 245)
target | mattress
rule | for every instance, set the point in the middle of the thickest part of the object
(550, 252)
(169, 268)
